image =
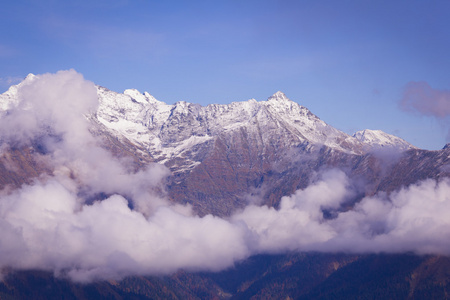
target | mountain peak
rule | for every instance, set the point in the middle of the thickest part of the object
(378, 139)
(278, 96)
(30, 76)
(136, 95)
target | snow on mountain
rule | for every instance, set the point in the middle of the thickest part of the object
(377, 139)
(226, 150)
(183, 130)
(9, 98)
(180, 130)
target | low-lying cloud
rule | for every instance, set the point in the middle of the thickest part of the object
(413, 219)
(51, 225)
(46, 228)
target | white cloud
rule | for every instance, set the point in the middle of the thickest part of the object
(48, 229)
(53, 102)
(298, 223)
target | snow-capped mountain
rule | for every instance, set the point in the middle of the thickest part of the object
(378, 139)
(167, 131)
(226, 151)
(183, 129)
(221, 159)
(10, 98)
(229, 151)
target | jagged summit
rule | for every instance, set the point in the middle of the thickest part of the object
(170, 130)
(30, 76)
(278, 96)
(9, 98)
(138, 96)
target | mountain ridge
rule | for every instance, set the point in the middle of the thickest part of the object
(299, 124)
(231, 151)
(278, 103)
(269, 170)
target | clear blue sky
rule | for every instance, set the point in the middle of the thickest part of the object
(347, 61)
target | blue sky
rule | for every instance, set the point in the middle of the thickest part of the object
(349, 62)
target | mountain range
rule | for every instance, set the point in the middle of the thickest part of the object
(223, 161)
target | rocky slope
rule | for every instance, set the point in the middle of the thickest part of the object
(292, 276)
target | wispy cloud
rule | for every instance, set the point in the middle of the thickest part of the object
(420, 97)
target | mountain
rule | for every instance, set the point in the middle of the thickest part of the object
(227, 151)
(231, 151)
(168, 131)
(221, 160)
(378, 139)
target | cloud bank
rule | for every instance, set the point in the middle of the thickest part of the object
(413, 219)
(53, 224)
